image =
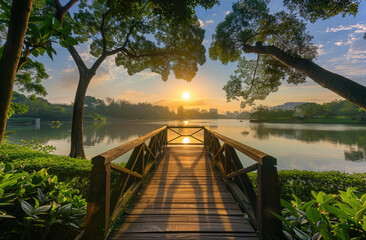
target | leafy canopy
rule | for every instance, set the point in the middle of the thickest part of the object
(148, 37)
(251, 23)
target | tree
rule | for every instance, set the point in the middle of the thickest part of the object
(157, 35)
(11, 52)
(32, 30)
(283, 47)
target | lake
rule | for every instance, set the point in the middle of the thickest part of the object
(296, 146)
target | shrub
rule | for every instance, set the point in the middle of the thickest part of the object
(36, 206)
(301, 183)
(326, 217)
(35, 157)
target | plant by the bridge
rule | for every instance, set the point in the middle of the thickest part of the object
(36, 206)
(326, 217)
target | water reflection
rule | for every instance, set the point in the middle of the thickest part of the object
(354, 140)
(296, 146)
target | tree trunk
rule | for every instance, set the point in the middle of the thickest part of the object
(19, 17)
(344, 87)
(77, 141)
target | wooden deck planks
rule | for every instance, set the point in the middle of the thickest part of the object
(185, 199)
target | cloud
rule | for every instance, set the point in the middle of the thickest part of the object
(339, 43)
(359, 28)
(321, 51)
(209, 21)
(201, 23)
(227, 12)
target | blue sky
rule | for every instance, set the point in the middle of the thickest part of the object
(341, 49)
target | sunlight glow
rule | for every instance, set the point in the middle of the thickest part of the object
(186, 140)
(186, 96)
(185, 123)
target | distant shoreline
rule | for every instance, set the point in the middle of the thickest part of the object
(312, 120)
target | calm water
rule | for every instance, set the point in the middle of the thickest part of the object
(296, 146)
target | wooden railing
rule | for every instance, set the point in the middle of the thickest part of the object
(259, 205)
(185, 135)
(104, 203)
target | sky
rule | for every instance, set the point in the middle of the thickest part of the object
(341, 49)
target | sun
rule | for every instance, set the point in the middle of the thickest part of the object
(186, 96)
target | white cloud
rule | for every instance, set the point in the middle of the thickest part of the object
(209, 21)
(339, 43)
(201, 23)
(227, 12)
(360, 28)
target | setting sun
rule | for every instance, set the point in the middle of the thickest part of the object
(186, 95)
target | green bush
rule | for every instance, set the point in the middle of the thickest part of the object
(326, 217)
(74, 171)
(301, 183)
(36, 206)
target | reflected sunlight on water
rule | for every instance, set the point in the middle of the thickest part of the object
(186, 140)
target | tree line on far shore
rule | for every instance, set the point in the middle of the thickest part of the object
(333, 109)
(98, 109)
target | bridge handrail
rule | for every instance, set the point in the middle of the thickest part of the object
(105, 201)
(261, 204)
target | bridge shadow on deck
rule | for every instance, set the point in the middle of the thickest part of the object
(185, 199)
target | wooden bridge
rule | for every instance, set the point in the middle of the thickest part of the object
(192, 186)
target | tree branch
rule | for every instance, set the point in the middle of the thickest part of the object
(62, 10)
(343, 86)
(78, 60)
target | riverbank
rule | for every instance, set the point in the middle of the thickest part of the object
(312, 120)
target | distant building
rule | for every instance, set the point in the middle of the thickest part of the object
(195, 109)
(213, 110)
(234, 114)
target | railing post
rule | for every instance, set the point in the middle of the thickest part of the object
(95, 221)
(268, 201)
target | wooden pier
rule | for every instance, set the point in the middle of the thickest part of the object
(192, 186)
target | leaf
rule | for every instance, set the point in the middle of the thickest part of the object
(360, 214)
(42, 209)
(40, 195)
(54, 179)
(288, 205)
(1, 192)
(6, 216)
(27, 208)
(71, 41)
(363, 198)
(313, 214)
(326, 235)
(65, 208)
(302, 235)
(284, 220)
(56, 24)
(72, 225)
(66, 30)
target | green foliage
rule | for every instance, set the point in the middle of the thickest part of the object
(250, 22)
(326, 216)
(145, 37)
(74, 171)
(36, 206)
(301, 183)
(314, 10)
(38, 147)
(264, 113)
(28, 78)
